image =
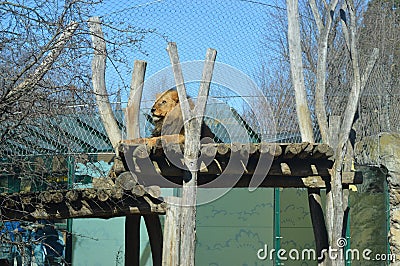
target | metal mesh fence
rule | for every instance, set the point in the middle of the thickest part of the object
(240, 31)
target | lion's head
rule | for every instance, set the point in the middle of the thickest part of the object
(164, 104)
(166, 113)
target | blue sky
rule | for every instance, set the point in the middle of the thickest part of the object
(234, 28)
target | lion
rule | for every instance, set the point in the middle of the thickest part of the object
(167, 118)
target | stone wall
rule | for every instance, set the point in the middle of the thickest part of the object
(384, 151)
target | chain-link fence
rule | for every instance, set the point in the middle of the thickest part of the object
(239, 30)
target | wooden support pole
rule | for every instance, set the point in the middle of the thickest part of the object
(135, 97)
(129, 180)
(98, 80)
(334, 128)
(172, 236)
(132, 240)
(154, 230)
(192, 125)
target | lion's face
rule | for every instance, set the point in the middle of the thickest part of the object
(165, 103)
(167, 116)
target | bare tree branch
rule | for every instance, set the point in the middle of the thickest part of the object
(33, 79)
(320, 89)
(296, 64)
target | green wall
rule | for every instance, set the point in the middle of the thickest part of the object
(231, 229)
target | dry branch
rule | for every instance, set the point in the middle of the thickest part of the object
(33, 79)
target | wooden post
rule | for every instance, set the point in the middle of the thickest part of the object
(132, 224)
(132, 240)
(99, 84)
(172, 236)
(135, 97)
(192, 125)
(304, 118)
(334, 128)
(153, 225)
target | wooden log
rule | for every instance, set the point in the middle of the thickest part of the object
(245, 150)
(45, 197)
(263, 147)
(126, 180)
(118, 167)
(294, 149)
(57, 197)
(116, 193)
(25, 200)
(307, 151)
(275, 150)
(89, 194)
(171, 243)
(135, 97)
(192, 147)
(173, 148)
(285, 169)
(223, 149)
(253, 148)
(272, 149)
(141, 151)
(103, 183)
(72, 195)
(94, 203)
(220, 165)
(138, 190)
(334, 127)
(98, 80)
(209, 150)
(236, 147)
(154, 191)
(286, 182)
(103, 195)
(322, 151)
(303, 150)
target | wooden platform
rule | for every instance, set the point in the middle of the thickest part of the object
(301, 165)
(78, 203)
(139, 171)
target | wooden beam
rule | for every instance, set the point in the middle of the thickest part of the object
(226, 180)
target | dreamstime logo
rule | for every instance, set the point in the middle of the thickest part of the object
(232, 94)
(332, 253)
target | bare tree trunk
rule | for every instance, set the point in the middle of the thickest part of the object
(135, 97)
(335, 203)
(320, 88)
(192, 125)
(296, 66)
(99, 84)
(304, 118)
